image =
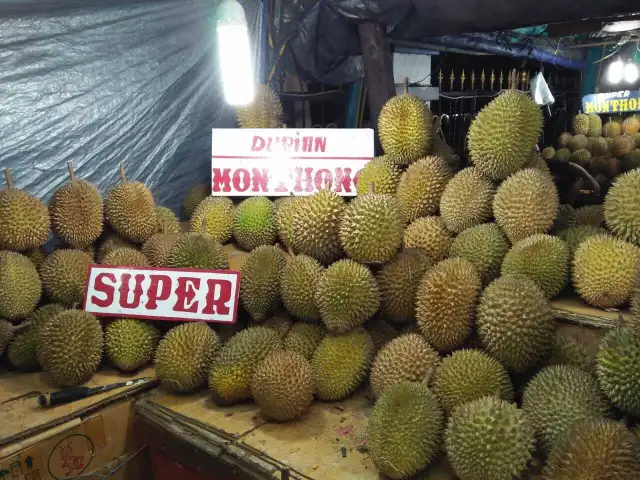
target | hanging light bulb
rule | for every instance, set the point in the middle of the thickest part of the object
(234, 51)
(615, 73)
(631, 72)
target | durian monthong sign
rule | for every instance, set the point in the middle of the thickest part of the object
(283, 161)
(173, 294)
(612, 102)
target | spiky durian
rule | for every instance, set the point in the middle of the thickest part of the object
(265, 111)
(285, 207)
(298, 284)
(371, 229)
(526, 203)
(158, 247)
(130, 344)
(167, 221)
(595, 125)
(630, 125)
(421, 187)
(563, 140)
(430, 235)
(611, 129)
(260, 285)
(64, 276)
(24, 220)
(577, 142)
(404, 127)
(567, 350)
(589, 215)
(622, 145)
(503, 134)
(622, 207)
(255, 223)
(111, 242)
(197, 250)
(131, 211)
(580, 124)
(20, 285)
(303, 338)
(127, 257)
(383, 173)
(574, 236)
(194, 196)
(466, 200)
(215, 216)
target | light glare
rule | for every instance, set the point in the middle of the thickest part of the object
(235, 64)
(631, 73)
(615, 72)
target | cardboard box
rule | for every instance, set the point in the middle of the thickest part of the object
(96, 443)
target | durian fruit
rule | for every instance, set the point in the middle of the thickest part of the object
(630, 125)
(303, 338)
(232, 370)
(383, 173)
(265, 111)
(197, 250)
(606, 165)
(6, 335)
(76, 211)
(421, 187)
(565, 217)
(589, 215)
(130, 344)
(316, 225)
(563, 155)
(298, 284)
(445, 303)
(282, 385)
(167, 221)
(70, 347)
(255, 223)
(346, 295)
(542, 258)
(382, 332)
(577, 142)
(548, 153)
(405, 430)
(514, 322)
(184, 355)
(581, 157)
(600, 146)
(566, 350)
(430, 235)
(407, 358)
(485, 247)
(595, 125)
(622, 145)
(468, 375)
(630, 161)
(341, 363)
(131, 211)
(404, 127)
(526, 203)
(536, 161)
(622, 207)
(634, 307)
(285, 207)
(371, 229)
(398, 281)
(194, 196)
(215, 216)
(489, 438)
(280, 322)
(20, 285)
(636, 137)
(598, 449)
(24, 219)
(156, 250)
(563, 140)
(111, 242)
(580, 124)
(466, 200)
(611, 129)
(618, 369)
(559, 396)
(503, 134)
(126, 257)
(594, 279)
(43, 314)
(260, 285)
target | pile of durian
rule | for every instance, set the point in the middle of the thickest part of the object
(431, 288)
(604, 150)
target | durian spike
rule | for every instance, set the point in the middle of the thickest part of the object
(122, 176)
(290, 252)
(164, 225)
(72, 174)
(372, 188)
(405, 85)
(7, 176)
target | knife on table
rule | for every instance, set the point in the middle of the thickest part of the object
(76, 393)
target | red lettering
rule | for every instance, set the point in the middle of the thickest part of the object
(308, 181)
(160, 289)
(258, 143)
(260, 180)
(269, 141)
(297, 181)
(296, 147)
(217, 304)
(323, 179)
(241, 179)
(343, 179)
(221, 177)
(307, 143)
(321, 144)
(287, 143)
(102, 287)
(282, 187)
(124, 290)
(186, 292)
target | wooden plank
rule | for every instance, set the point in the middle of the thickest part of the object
(574, 310)
(21, 416)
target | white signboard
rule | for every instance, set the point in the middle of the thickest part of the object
(174, 294)
(279, 161)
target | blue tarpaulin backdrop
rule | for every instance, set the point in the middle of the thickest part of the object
(104, 82)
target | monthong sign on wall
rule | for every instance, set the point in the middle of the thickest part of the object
(174, 294)
(280, 161)
(612, 102)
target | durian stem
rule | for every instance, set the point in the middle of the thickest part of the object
(372, 188)
(124, 179)
(164, 225)
(22, 326)
(405, 85)
(72, 174)
(7, 176)
(203, 225)
(290, 252)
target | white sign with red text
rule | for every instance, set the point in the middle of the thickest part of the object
(279, 161)
(174, 294)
